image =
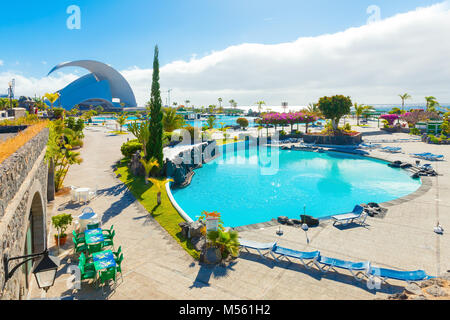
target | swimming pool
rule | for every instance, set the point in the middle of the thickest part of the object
(246, 190)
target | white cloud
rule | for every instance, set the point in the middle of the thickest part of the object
(372, 63)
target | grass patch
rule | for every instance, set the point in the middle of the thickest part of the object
(11, 145)
(119, 132)
(166, 215)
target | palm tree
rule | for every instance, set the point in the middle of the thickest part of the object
(404, 97)
(172, 120)
(220, 102)
(187, 103)
(431, 103)
(260, 103)
(211, 122)
(313, 108)
(121, 120)
(359, 109)
(159, 184)
(148, 165)
(51, 97)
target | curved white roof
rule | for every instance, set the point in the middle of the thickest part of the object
(119, 86)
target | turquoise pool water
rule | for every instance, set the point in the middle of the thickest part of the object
(226, 120)
(246, 190)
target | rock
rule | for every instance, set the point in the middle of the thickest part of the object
(184, 229)
(373, 205)
(289, 222)
(405, 165)
(310, 221)
(413, 289)
(283, 219)
(436, 291)
(211, 256)
(296, 221)
(199, 243)
(195, 229)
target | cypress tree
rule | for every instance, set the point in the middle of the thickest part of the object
(155, 145)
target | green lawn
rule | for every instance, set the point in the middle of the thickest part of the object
(166, 215)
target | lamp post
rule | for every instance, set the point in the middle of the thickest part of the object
(44, 269)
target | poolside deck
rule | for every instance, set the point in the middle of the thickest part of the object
(155, 267)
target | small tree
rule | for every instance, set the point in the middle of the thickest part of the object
(159, 184)
(61, 222)
(148, 165)
(334, 108)
(242, 122)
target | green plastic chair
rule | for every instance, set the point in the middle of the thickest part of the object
(80, 237)
(117, 253)
(86, 273)
(93, 248)
(107, 232)
(86, 263)
(79, 247)
(93, 226)
(109, 274)
(119, 265)
(110, 236)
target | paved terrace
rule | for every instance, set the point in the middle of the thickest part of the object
(155, 267)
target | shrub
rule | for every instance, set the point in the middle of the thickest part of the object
(348, 127)
(414, 131)
(283, 133)
(131, 147)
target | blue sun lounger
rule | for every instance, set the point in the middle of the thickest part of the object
(302, 256)
(355, 268)
(248, 244)
(356, 214)
(391, 149)
(408, 276)
(428, 156)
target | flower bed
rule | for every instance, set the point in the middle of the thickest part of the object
(344, 139)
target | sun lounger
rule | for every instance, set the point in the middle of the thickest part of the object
(302, 256)
(369, 146)
(248, 244)
(355, 268)
(356, 215)
(428, 156)
(408, 276)
(391, 149)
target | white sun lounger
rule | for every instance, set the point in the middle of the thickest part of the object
(357, 214)
(248, 244)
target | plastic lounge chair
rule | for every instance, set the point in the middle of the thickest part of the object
(391, 149)
(355, 268)
(434, 157)
(357, 214)
(302, 256)
(73, 195)
(408, 276)
(248, 244)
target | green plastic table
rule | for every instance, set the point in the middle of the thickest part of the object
(104, 260)
(94, 236)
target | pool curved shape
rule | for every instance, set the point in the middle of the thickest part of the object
(245, 189)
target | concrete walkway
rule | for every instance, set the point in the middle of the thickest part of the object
(155, 267)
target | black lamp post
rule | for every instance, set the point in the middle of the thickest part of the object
(44, 269)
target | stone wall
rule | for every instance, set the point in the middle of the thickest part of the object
(333, 140)
(23, 191)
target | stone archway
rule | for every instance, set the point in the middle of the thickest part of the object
(37, 219)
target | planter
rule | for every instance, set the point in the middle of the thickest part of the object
(396, 129)
(333, 140)
(62, 240)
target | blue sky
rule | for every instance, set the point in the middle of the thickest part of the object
(123, 33)
(246, 50)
